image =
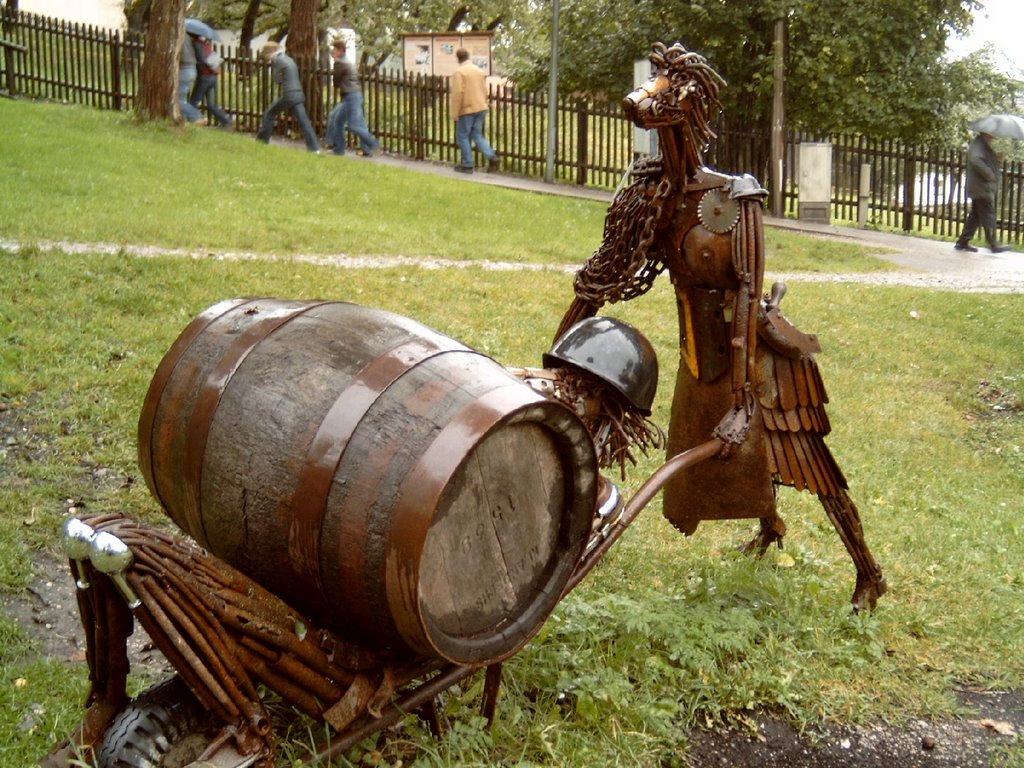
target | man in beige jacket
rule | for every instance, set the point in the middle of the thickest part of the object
(469, 110)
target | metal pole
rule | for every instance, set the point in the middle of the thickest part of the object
(778, 140)
(549, 168)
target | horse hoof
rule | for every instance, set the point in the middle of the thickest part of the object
(866, 595)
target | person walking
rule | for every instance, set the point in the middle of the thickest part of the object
(349, 111)
(469, 110)
(982, 186)
(286, 74)
(208, 64)
(186, 79)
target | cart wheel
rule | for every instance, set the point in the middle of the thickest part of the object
(165, 727)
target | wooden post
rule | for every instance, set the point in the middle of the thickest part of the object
(582, 140)
(909, 169)
(115, 69)
(864, 198)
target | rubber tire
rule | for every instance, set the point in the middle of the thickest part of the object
(165, 727)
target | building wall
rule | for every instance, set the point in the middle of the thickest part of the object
(108, 14)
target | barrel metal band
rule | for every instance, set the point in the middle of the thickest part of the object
(209, 398)
(159, 383)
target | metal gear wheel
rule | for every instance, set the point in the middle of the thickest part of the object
(717, 211)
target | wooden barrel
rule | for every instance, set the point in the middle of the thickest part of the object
(396, 486)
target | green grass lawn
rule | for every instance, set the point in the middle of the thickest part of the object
(668, 633)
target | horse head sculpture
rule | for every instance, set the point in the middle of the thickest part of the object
(679, 99)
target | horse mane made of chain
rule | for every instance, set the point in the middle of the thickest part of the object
(626, 265)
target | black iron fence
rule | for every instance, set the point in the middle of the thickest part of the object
(913, 188)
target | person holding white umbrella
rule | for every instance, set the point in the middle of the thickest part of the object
(187, 73)
(983, 172)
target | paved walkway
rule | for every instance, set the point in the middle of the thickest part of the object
(925, 262)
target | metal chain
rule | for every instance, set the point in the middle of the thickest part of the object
(625, 266)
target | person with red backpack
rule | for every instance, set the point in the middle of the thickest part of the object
(208, 62)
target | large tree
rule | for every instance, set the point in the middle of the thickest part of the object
(303, 46)
(158, 85)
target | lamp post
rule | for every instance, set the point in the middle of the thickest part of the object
(778, 133)
(549, 168)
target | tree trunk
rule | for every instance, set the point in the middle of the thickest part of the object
(136, 13)
(302, 46)
(252, 12)
(158, 86)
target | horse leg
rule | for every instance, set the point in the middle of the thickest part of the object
(844, 516)
(773, 529)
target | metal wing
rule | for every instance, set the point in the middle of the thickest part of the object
(792, 400)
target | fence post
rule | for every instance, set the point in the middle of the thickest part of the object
(909, 167)
(115, 68)
(582, 141)
(864, 199)
(9, 20)
(419, 133)
(10, 67)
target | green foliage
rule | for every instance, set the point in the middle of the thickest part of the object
(876, 68)
(380, 24)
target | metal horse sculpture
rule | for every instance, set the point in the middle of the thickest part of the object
(746, 375)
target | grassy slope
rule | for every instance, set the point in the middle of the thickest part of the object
(668, 632)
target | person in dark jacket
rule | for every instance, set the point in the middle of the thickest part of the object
(349, 110)
(286, 74)
(186, 79)
(206, 84)
(982, 186)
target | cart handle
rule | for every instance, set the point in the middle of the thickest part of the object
(651, 487)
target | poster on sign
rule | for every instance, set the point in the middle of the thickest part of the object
(434, 54)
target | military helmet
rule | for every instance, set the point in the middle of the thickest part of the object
(615, 352)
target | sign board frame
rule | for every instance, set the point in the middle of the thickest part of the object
(433, 53)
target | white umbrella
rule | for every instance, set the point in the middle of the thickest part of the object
(1003, 126)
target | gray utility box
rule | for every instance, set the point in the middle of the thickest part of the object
(815, 181)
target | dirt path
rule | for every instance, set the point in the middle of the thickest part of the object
(926, 263)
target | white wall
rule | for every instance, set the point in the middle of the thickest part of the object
(108, 14)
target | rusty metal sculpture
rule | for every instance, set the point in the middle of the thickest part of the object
(376, 513)
(746, 375)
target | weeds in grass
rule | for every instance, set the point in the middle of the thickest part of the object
(668, 632)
